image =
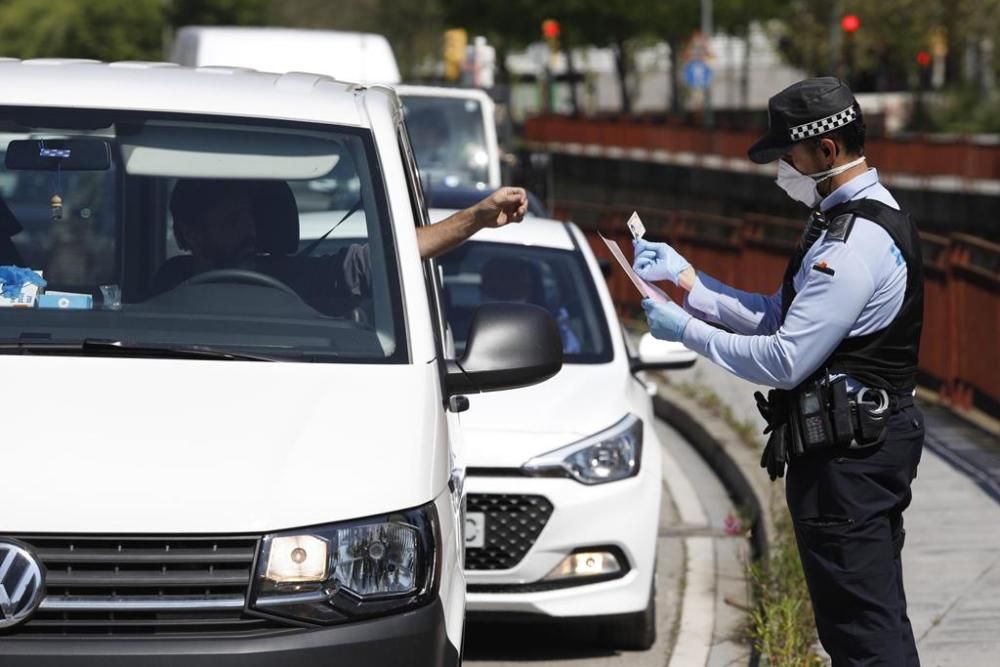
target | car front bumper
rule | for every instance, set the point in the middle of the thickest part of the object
(621, 516)
(417, 637)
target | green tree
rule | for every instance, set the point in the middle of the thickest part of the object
(100, 29)
(218, 12)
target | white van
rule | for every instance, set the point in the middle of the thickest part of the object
(347, 56)
(454, 136)
(251, 464)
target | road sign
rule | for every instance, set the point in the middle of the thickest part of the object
(697, 74)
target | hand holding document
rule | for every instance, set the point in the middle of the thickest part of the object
(647, 290)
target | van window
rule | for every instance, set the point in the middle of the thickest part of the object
(449, 140)
(558, 280)
(197, 235)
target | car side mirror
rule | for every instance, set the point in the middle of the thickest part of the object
(509, 345)
(655, 354)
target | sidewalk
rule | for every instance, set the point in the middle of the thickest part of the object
(951, 560)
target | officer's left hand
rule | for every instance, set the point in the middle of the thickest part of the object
(666, 320)
(658, 261)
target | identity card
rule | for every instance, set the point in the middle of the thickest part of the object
(635, 226)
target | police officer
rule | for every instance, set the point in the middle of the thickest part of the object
(839, 343)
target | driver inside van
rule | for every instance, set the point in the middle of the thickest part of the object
(219, 223)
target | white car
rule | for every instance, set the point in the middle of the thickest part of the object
(230, 454)
(563, 478)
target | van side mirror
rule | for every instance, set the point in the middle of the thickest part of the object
(655, 354)
(509, 345)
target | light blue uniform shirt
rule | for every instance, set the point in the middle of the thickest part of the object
(863, 296)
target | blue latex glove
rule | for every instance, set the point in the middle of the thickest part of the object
(658, 261)
(666, 320)
(15, 277)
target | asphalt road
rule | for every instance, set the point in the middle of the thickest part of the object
(500, 644)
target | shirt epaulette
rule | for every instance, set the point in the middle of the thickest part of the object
(840, 227)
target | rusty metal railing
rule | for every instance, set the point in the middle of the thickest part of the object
(964, 158)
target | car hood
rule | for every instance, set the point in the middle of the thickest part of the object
(506, 428)
(111, 445)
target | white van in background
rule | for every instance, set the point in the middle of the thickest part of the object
(454, 135)
(346, 56)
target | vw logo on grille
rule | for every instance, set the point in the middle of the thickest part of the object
(22, 584)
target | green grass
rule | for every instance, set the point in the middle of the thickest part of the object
(706, 397)
(781, 624)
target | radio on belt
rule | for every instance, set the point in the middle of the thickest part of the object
(635, 226)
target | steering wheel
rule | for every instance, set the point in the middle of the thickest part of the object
(240, 276)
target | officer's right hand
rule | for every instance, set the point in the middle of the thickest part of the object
(658, 261)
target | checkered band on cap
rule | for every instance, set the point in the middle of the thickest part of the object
(824, 125)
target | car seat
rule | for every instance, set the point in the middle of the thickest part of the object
(512, 279)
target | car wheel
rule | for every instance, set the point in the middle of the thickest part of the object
(634, 632)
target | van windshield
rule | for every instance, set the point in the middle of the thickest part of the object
(194, 236)
(449, 140)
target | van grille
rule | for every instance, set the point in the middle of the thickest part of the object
(513, 523)
(144, 586)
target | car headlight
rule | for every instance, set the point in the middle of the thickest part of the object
(608, 456)
(351, 570)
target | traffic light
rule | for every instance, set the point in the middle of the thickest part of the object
(453, 52)
(850, 23)
(924, 59)
(550, 31)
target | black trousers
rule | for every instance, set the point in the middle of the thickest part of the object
(847, 508)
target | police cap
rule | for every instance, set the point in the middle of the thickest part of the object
(805, 109)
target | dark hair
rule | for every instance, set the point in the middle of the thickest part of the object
(851, 136)
(190, 198)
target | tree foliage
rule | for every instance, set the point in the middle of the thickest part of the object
(112, 29)
(881, 54)
(100, 29)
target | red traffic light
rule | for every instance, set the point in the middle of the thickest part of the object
(850, 23)
(550, 28)
(924, 59)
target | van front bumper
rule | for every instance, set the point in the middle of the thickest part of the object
(413, 638)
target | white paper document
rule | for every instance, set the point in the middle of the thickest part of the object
(645, 289)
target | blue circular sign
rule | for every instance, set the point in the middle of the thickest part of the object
(697, 74)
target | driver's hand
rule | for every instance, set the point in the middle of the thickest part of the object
(504, 206)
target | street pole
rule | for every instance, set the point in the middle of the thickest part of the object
(835, 38)
(706, 31)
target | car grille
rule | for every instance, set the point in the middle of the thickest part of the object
(144, 586)
(513, 523)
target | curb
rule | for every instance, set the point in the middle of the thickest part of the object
(735, 464)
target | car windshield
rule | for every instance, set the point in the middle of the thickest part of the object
(557, 280)
(449, 140)
(167, 233)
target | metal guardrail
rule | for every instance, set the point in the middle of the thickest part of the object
(931, 156)
(960, 348)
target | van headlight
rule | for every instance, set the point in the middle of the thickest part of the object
(608, 456)
(351, 570)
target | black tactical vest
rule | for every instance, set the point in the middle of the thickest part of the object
(886, 358)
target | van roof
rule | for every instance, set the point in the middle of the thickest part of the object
(347, 56)
(167, 87)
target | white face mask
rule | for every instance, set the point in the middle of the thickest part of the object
(803, 187)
